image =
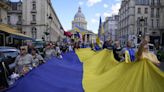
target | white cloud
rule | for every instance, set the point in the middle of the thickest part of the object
(92, 2)
(114, 10)
(94, 21)
(107, 14)
(118, 0)
(81, 3)
(97, 14)
(105, 6)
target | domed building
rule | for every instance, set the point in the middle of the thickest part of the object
(80, 24)
(79, 20)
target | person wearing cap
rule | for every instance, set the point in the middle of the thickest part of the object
(24, 61)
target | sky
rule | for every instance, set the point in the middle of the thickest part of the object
(92, 9)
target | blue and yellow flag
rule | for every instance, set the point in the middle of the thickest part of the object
(101, 28)
(90, 71)
(100, 33)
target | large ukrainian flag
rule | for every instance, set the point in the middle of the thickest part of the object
(89, 71)
(102, 73)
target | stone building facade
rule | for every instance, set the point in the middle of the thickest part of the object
(4, 6)
(40, 21)
(162, 22)
(138, 17)
(110, 27)
(14, 15)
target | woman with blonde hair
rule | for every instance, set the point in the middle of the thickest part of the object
(143, 52)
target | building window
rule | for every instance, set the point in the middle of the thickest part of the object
(157, 23)
(152, 23)
(139, 10)
(146, 10)
(145, 30)
(157, 14)
(158, 2)
(138, 21)
(145, 21)
(34, 5)
(14, 7)
(152, 12)
(152, 2)
(19, 6)
(33, 17)
(34, 33)
(8, 19)
(19, 18)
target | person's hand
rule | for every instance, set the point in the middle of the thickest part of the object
(25, 70)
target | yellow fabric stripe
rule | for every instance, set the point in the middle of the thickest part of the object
(84, 54)
(127, 57)
(102, 73)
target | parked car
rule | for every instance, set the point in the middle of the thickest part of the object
(9, 55)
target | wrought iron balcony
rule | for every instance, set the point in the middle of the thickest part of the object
(155, 4)
(33, 11)
(19, 23)
(15, 11)
(33, 22)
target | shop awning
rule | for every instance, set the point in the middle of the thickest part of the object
(14, 33)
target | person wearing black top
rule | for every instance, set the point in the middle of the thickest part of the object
(117, 51)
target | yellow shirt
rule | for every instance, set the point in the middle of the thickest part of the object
(150, 56)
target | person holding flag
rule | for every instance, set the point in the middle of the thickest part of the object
(99, 44)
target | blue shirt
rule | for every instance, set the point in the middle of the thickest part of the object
(131, 53)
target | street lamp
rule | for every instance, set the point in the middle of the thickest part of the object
(142, 21)
(141, 25)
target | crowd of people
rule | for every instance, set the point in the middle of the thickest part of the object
(133, 54)
(30, 57)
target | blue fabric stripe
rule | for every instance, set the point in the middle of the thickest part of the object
(57, 75)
